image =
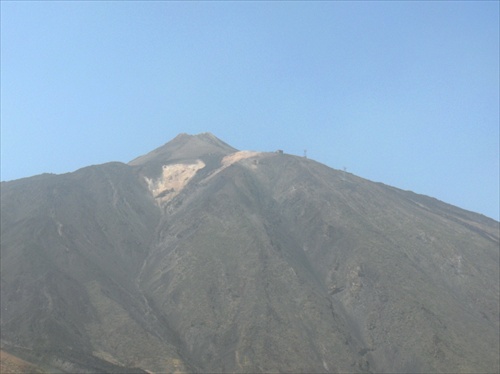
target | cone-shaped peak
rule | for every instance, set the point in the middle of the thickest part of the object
(186, 147)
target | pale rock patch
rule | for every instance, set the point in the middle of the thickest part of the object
(237, 156)
(231, 159)
(172, 180)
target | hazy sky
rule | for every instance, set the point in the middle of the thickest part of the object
(404, 93)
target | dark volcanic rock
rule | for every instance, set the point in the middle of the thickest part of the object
(197, 257)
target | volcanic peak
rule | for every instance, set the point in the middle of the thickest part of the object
(257, 262)
(185, 147)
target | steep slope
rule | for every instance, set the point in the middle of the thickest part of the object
(199, 257)
(71, 245)
(397, 263)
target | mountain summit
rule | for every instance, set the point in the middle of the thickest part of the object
(185, 146)
(197, 257)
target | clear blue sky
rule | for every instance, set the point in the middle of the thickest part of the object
(405, 93)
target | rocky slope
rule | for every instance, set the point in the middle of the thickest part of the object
(197, 257)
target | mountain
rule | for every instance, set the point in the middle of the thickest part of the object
(197, 257)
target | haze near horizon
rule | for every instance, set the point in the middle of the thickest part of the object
(404, 93)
